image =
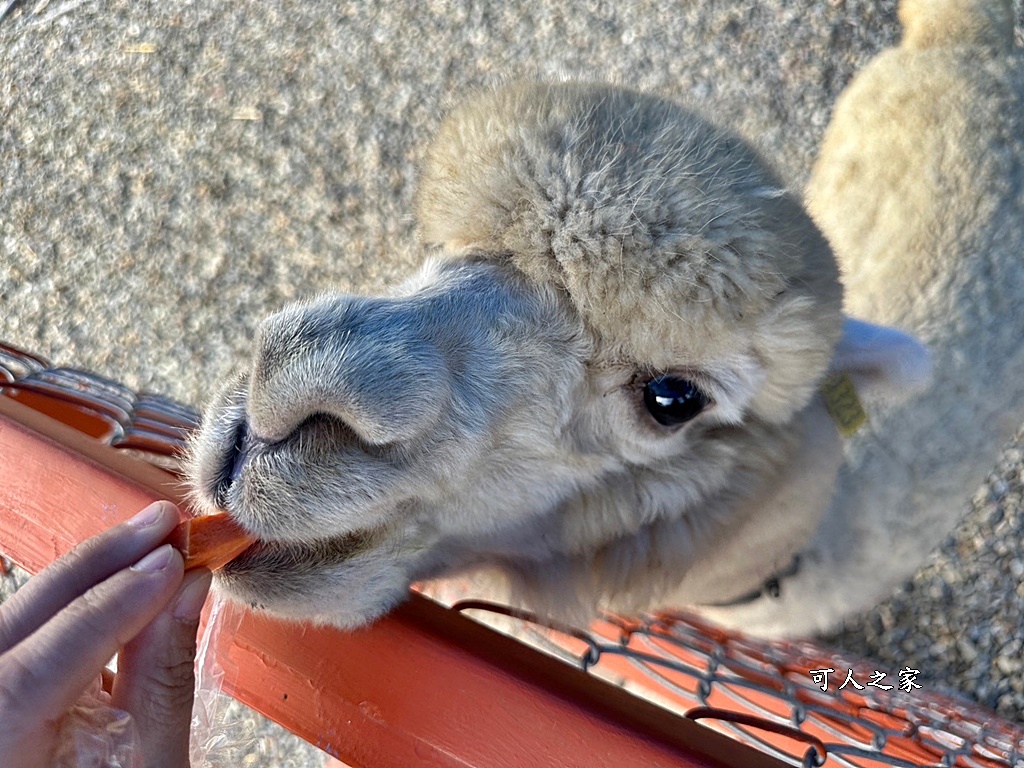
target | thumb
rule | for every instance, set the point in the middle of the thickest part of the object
(156, 675)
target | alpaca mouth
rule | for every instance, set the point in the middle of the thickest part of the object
(278, 556)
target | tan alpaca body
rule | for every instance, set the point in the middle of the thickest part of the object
(918, 187)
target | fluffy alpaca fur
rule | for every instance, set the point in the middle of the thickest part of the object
(492, 411)
(918, 189)
(497, 411)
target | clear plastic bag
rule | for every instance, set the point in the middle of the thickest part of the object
(220, 737)
(95, 734)
(225, 733)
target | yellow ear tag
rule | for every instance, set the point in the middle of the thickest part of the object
(843, 404)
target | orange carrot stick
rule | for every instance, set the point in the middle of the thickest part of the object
(210, 541)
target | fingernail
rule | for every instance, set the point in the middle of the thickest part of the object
(151, 514)
(192, 595)
(156, 560)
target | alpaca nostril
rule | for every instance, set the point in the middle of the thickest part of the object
(355, 359)
(239, 449)
(231, 464)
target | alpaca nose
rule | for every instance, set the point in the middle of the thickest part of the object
(363, 361)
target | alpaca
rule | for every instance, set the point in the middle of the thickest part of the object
(607, 371)
(918, 189)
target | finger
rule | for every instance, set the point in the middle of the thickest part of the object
(45, 673)
(156, 675)
(89, 563)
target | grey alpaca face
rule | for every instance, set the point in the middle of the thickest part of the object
(582, 404)
(365, 429)
(374, 441)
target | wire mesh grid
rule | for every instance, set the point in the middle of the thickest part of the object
(763, 693)
(150, 424)
(783, 697)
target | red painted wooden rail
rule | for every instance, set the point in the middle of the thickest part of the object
(423, 686)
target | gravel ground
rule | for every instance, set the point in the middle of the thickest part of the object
(171, 172)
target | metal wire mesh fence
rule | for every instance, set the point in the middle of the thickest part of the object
(797, 700)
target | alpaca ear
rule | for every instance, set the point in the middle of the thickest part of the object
(881, 361)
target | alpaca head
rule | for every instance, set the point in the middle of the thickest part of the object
(621, 320)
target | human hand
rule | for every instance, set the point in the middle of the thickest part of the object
(119, 592)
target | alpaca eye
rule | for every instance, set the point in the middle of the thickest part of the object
(672, 401)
